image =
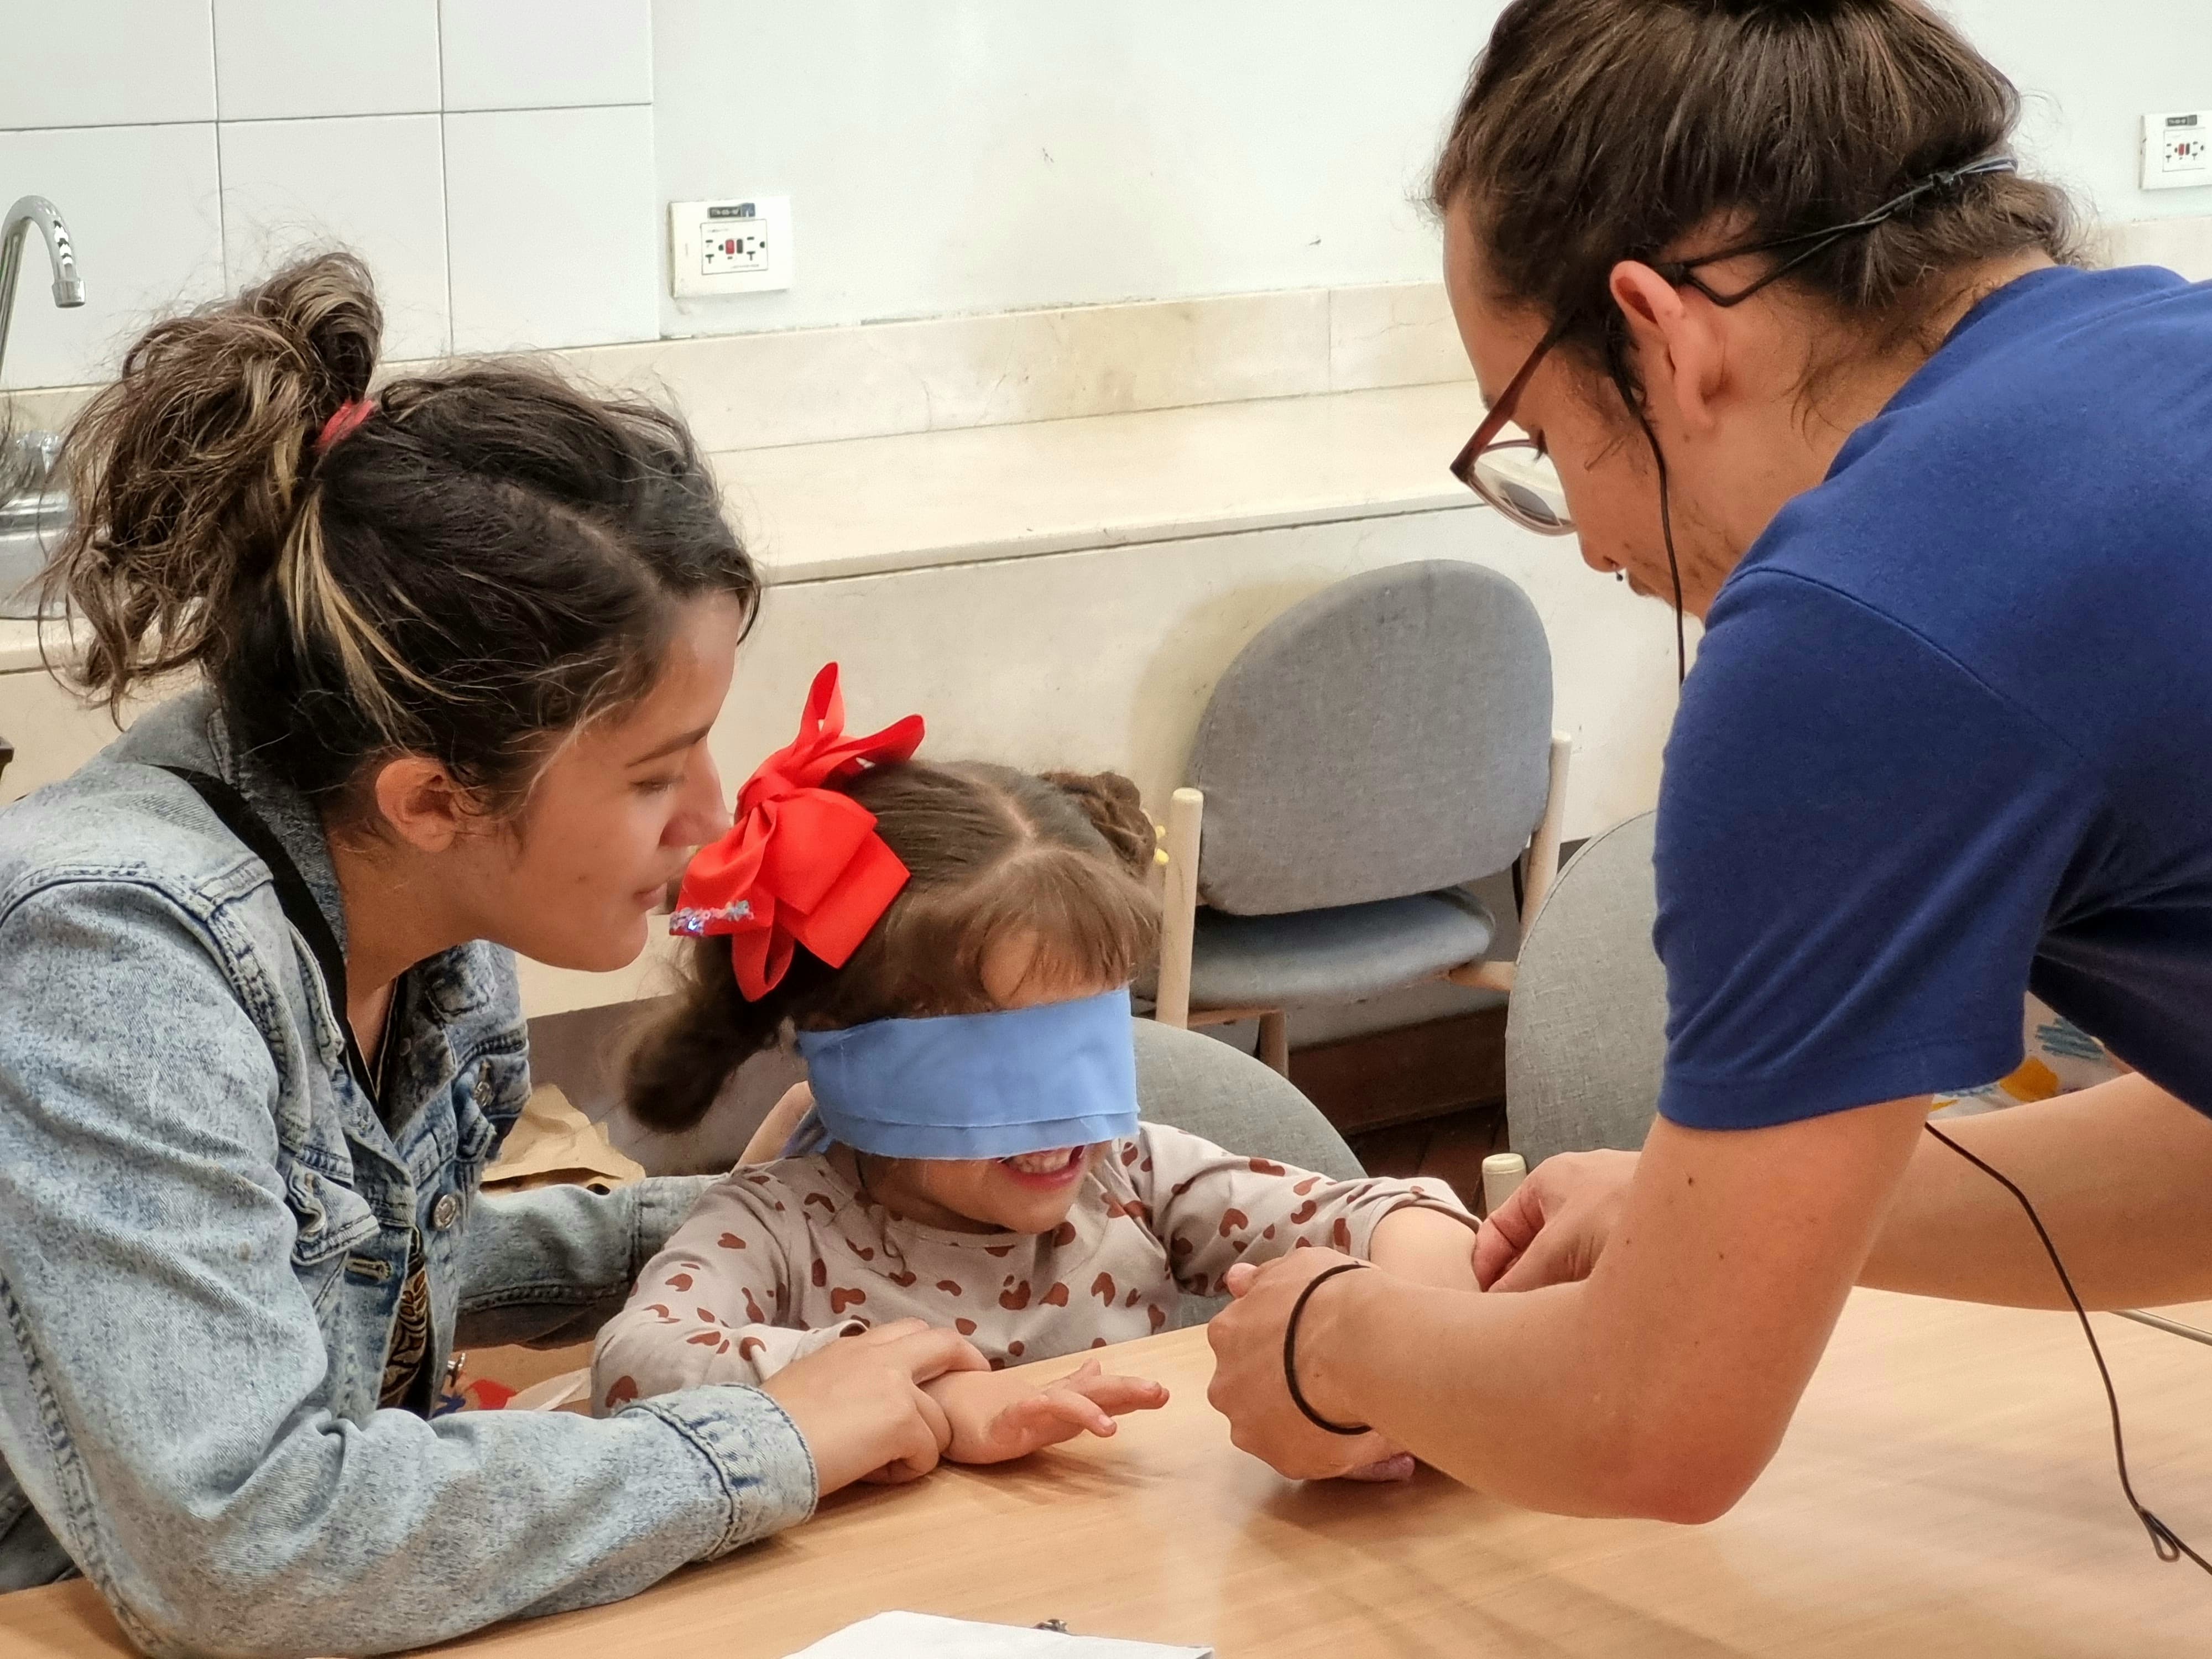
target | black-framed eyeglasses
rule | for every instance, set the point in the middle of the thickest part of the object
(1515, 475)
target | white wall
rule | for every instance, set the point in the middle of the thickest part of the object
(994, 154)
(504, 164)
(2088, 71)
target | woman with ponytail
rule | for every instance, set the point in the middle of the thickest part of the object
(1794, 344)
(458, 641)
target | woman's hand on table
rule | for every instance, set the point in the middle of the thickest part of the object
(1557, 1223)
(862, 1404)
(997, 1416)
(1249, 1387)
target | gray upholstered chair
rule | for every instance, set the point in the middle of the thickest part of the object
(1586, 1037)
(1375, 748)
(1190, 1081)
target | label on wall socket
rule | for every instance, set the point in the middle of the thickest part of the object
(739, 245)
(2176, 150)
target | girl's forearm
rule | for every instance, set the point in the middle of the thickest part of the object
(1426, 1246)
(2119, 1173)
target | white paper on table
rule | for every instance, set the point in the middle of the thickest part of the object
(924, 1636)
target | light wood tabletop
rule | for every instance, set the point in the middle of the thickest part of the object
(1947, 1489)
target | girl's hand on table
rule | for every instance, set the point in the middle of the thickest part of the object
(862, 1407)
(1248, 1387)
(999, 1416)
(1556, 1225)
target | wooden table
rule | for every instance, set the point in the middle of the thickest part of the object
(1947, 1489)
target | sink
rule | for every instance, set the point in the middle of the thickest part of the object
(30, 528)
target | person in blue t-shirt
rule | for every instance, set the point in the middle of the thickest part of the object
(1796, 345)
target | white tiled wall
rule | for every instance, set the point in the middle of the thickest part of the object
(550, 222)
(492, 159)
(287, 184)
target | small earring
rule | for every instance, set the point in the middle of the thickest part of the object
(1621, 575)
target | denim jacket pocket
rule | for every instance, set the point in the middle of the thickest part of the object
(330, 1219)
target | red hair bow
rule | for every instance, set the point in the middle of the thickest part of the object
(803, 865)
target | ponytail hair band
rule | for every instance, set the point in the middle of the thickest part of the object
(345, 420)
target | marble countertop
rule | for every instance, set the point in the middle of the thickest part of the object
(813, 512)
(859, 507)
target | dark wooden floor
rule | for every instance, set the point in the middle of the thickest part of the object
(1450, 1148)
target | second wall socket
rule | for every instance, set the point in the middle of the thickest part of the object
(2176, 150)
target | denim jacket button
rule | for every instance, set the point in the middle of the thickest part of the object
(445, 1212)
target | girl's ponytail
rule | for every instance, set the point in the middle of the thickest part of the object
(679, 1063)
(1110, 801)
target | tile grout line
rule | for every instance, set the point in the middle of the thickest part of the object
(351, 115)
(222, 199)
(445, 193)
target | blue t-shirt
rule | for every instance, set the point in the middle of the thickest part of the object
(1949, 735)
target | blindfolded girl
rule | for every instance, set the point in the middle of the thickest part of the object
(951, 946)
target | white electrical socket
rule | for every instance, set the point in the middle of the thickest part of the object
(2176, 152)
(740, 246)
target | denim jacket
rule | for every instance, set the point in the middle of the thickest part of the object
(204, 1226)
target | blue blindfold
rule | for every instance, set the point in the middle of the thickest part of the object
(975, 1086)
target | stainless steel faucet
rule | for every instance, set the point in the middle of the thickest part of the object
(69, 287)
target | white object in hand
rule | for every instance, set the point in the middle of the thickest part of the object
(1501, 1173)
(924, 1636)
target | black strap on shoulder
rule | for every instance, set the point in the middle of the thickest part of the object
(300, 909)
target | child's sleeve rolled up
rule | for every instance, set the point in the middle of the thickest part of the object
(1212, 1208)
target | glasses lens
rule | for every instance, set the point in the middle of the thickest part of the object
(1520, 481)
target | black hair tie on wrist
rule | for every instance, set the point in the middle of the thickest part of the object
(1291, 1350)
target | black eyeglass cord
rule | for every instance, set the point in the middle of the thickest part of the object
(1667, 533)
(2165, 1542)
(1678, 271)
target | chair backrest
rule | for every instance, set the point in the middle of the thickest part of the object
(1199, 1083)
(1586, 1034)
(1386, 736)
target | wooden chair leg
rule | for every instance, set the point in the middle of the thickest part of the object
(1543, 866)
(1540, 870)
(1179, 908)
(1275, 1041)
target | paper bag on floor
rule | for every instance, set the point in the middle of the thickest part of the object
(553, 1142)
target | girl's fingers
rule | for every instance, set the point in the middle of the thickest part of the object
(1116, 1394)
(1029, 1425)
(1078, 1409)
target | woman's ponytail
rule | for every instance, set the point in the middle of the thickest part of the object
(191, 474)
(479, 562)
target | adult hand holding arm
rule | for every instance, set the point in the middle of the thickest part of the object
(862, 1406)
(1658, 1384)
